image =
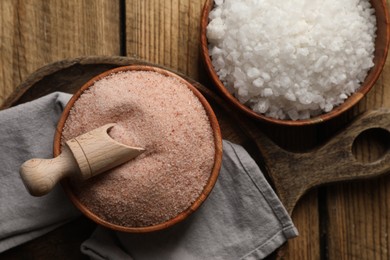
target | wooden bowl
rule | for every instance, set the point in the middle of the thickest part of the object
(213, 175)
(380, 55)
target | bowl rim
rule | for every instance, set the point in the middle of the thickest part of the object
(210, 182)
(351, 101)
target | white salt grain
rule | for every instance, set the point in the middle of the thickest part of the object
(162, 115)
(312, 55)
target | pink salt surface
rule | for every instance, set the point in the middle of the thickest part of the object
(162, 115)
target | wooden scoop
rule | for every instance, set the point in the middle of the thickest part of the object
(82, 158)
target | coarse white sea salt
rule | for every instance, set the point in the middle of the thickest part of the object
(292, 59)
(162, 115)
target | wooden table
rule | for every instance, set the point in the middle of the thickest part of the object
(338, 221)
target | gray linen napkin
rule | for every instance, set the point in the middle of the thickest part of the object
(242, 218)
(27, 131)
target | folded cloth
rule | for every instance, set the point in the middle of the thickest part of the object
(242, 219)
(27, 131)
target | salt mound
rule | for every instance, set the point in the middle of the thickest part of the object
(292, 59)
(162, 115)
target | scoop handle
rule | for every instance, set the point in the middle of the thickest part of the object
(39, 176)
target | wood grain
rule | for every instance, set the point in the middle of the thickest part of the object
(343, 221)
(165, 33)
(358, 213)
(306, 219)
(36, 32)
(293, 174)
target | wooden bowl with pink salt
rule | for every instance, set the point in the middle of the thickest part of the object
(163, 113)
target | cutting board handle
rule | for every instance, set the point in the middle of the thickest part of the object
(295, 173)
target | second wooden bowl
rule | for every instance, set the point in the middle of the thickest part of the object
(380, 55)
(207, 188)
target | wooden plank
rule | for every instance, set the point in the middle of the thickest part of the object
(35, 32)
(358, 220)
(358, 212)
(165, 33)
(307, 244)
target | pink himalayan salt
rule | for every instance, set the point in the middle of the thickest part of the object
(162, 115)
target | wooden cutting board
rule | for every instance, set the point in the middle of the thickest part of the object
(291, 173)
